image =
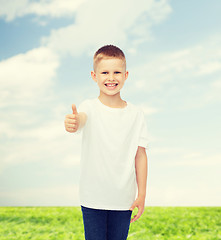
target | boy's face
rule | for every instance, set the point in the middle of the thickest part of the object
(110, 75)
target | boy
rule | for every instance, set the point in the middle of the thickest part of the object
(113, 156)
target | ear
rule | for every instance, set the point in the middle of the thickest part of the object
(93, 75)
(126, 75)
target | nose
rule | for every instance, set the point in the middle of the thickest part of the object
(111, 76)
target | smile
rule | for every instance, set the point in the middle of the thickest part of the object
(111, 86)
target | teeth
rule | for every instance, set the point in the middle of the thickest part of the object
(111, 85)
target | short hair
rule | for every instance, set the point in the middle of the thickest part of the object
(108, 51)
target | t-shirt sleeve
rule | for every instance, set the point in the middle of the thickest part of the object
(143, 138)
(83, 107)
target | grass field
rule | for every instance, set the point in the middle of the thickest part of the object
(65, 223)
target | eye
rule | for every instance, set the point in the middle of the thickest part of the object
(104, 72)
(117, 72)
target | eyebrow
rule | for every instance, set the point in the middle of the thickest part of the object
(108, 71)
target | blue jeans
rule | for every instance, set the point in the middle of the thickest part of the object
(105, 224)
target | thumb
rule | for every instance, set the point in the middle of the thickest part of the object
(132, 207)
(74, 109)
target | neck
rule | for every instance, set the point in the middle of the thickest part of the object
(112, 101)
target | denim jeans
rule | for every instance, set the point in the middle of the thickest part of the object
(105, 224)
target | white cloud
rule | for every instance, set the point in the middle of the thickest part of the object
(32, 124)
(54, 8)
(166, 150)
(217, 84)
(178, 156)
(147, 109)
(46, 142)
(98, 23)
(194, 70)
(24, 78)
(181, 177)
(213, 94)
(63, 195)
(173, 195)
(209, 68)
(197, 159)
(26, 81)
(12, 9)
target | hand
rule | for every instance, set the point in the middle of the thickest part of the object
(139, 203)
(72, 121)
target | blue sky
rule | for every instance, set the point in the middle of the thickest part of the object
(173, 51)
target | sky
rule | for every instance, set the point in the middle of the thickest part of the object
(173, 52)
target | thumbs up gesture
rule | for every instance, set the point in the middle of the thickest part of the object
(72, 121)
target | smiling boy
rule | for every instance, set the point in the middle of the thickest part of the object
(113, 156)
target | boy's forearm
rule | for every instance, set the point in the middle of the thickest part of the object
(141, 172)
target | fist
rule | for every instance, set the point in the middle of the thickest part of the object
(72, 121)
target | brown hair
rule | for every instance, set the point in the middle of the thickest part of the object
(108, 51)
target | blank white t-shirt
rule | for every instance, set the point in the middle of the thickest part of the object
(110, 140)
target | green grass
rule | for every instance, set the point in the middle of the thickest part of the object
(65, 223)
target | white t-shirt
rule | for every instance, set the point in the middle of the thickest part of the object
(110, 140)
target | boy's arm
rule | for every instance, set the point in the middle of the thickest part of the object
(141, 175)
